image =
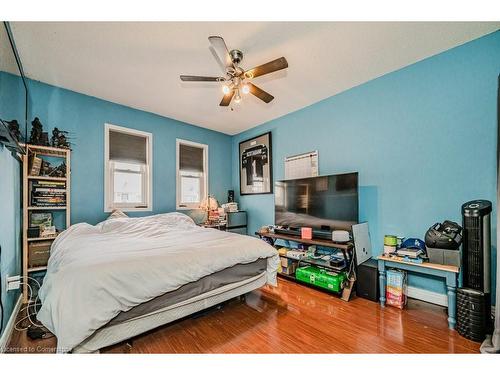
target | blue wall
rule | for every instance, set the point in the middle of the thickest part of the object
(11, 107)
(423, 140)
(84, 117)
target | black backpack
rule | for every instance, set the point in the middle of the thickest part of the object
(447, 235)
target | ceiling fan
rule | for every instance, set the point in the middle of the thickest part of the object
(236, 80)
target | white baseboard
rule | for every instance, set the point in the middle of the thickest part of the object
(433, 297)
(4, 340)
(428, 296)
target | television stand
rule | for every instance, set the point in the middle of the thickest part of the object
(345, 248)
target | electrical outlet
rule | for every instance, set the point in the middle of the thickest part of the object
(13, 282)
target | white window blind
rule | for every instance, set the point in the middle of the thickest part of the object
(190, 158)
(192, 174)
(128, 169)
(127, 147)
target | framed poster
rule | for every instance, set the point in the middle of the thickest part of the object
(256, 170)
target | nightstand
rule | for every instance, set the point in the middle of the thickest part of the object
(237, 222)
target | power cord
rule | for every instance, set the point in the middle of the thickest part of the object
(29, 322)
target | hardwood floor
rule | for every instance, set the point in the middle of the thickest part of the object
(294, 319)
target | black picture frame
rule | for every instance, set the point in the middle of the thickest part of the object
(264, 140)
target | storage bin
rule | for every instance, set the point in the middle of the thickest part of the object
(321, 278)
(396, 291)
(39, 253)
(444, 256)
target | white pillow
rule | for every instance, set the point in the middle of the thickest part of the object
(115, 214)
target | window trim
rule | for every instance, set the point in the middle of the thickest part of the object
(188, 206)
(108, 195)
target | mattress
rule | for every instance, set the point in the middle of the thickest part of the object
(110, 335)
(208, 283)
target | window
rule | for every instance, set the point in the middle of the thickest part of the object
(128, 169)
(192, 174)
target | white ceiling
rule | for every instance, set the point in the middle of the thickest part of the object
(138, 64)
(7, 58)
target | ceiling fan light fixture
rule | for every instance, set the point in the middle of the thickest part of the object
(236, 80)
(237, 97)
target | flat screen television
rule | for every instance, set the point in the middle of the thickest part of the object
(324, 203)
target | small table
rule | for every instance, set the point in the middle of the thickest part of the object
(449, 273)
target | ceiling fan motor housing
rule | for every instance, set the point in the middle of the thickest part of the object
(236, 56)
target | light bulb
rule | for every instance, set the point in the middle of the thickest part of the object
(226, 89)
(245, 89)
(237, 97)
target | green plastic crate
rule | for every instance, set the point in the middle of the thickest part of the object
(321, 278)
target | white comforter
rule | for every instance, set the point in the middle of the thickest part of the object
(95, 272)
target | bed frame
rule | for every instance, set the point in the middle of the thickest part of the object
(109, 335)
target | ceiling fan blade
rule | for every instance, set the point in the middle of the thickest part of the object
(221, 50)
(267, 68)
(201, 79)
(259, 93)
(226, 100)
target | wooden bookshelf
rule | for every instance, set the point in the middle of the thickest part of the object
(41, 151)
(34, 239)
(37, 269)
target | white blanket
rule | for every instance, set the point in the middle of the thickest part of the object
(96, 272)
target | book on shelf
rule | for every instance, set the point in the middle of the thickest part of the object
(35, 164)
(53, 184)
(48, 190)
(48, 200)
(49, 184)
(48, 193)
(42, 183)
(48, 205)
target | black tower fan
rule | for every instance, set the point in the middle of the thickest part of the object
(473, 300)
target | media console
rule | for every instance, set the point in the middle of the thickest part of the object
(345, 248)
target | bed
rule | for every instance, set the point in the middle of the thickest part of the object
(125, 276)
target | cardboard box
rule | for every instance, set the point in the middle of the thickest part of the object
(38, 253)
(288, 266)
